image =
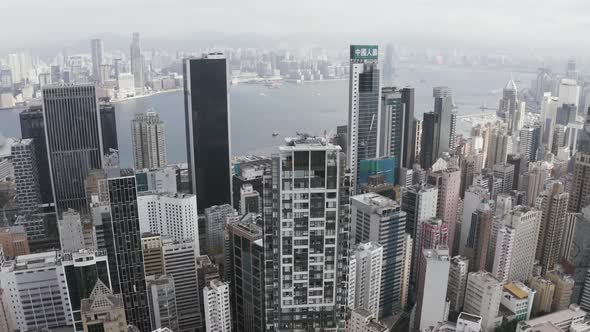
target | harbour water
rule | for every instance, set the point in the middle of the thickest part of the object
(314, 108)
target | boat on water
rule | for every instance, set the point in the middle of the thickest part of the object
(275, 134)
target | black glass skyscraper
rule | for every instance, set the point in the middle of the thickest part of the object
(127, 245)
(32, 126)
(108, 125)
(430, 139)
(207, 129)
(74, 145)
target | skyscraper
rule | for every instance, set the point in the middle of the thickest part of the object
(32, 126)
(553, 204)
(505, 172)
(510, 109)
(108, 124)
(314, 243)
(580, 196)
(364, 277)
(71, 108)
(432, 288)
(530, 140)
(103, 310)
(217, 307)
(378, 219)
(443, 105)
(162, 299)
(364, 107)
(430, 141)
(448, 182)
(127, 246)
(207, 129)
(137, 62)
(97, 51)
(149, 141)
(482, 297)
(457, 282)
(389, 64)
(480, 234)
(26, 176)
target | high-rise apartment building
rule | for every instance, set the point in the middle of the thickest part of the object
(544, 291)
(458, 271)
(378, 219)
(162, 298)
(217, 307)
(448, 182)
(171, 215)
(306, 220)
(364, 277)
(180, 262)
(516, 244)
(364, 120)
(580, 196)
(32, 126)
(553, 205)
(564, 286)
(431, 301)
(71, 108)
(97, 50)
(505, 172)
(482, 297)
(126, 244)
(207, 129)
(499, 147)
(533, 181)
(474, 196)
(149, 141)
(216, 218)
(26, 176)
(530, 140)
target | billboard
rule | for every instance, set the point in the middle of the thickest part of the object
(364, 52)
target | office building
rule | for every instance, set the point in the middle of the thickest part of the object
(71, 235)
(207, 129)
(430, 140)
(126, 246)
(216, 218)
(564, 286)
(520, 167)
(499, 147)
(448, 182)
(217, 307)
(580, 195)
(149, 141)
(108, 125)
(71, 108)
(562, 320)
(481, 228)
(137, 62)
(482, 297)
(248, 172)
(431, 303)
(505, 172)
(362, 320)
(206, 272)
(474, 196)
(511, 110)
(313, 241)
(180, 262)
(397, 138)
(576, 250)
(378, 219)
(161, 180)
(533, 181)
(153, 258)
(26, 176)
(103, 310)
(516, 244)
(364, 120)
(162, 299)
(443, 105)
(250, 200)
(457, 282)
(14, 241)
(170, 215)
(39, 279)
(406, 270)
(246, 268)
(364, 277)
(83, 269)
(32, 127)
(553, 204)
(530, 140)
(518, 298)
(97, 50)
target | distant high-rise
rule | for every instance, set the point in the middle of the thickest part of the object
(149, 141)
(499, 147)
(505, 172)
(430, 141)
(97, 50)
(137, 62)
(378, 219)
(448, 182)
(129, 256)
(364, 108)
(314, 243)
(443, 105)
(26, 176)
(32, 126)
(510, 109)
(389, 64)
(207, 129)
(580, 196)
(108, 125)
(553, 204)
(71, 109)
(530, 140)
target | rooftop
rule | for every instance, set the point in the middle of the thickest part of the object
(469, 317)
(517, 289)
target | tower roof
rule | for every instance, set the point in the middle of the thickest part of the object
(511, 85)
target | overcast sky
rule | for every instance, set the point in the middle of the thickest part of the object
(534, 24)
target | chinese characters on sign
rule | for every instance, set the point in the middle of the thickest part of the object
(364, 52)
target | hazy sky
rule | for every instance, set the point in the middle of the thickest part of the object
(543, 24)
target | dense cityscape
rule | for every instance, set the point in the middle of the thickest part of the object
(401, 219)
